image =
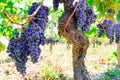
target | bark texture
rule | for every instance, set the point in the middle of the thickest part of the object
(77, 39)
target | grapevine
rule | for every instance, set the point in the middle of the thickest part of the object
(27, 42)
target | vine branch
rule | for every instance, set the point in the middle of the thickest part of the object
(71, 16)
(30, 17)
(15, 15)
(10, 19)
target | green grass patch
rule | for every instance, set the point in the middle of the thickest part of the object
(2, 47)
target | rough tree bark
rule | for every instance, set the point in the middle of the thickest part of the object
(77, 39)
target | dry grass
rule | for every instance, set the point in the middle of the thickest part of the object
(97, 61)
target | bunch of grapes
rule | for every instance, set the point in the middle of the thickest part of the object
(108, 27)
(111, 29)
(27, 43)
(41, 18)
(84, 15)
(56, 4)
(34, 37)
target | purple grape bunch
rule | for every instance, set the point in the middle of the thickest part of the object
(112, 30)
(17, 49)
(106, 26)
(34, 37)
(84, 16)
(41, 18)
(27, 43)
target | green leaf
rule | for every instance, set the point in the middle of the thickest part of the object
(90, 2)
(2, 6)
(118, 17)
(2, 47)
(99, 15)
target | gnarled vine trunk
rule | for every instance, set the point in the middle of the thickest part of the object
(77, 39)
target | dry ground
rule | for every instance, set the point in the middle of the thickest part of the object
(97, 61)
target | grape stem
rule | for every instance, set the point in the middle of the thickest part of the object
(11, 20)
(30, 18)
(99, 22)
(71, 16)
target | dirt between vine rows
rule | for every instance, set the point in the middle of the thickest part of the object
(59, 61)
